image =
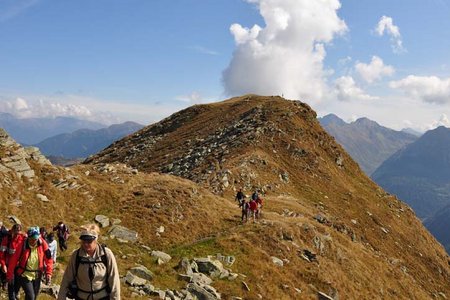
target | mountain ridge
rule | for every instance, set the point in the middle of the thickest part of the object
(29, 131)
(279, 147)
(84, 142)
(366, 141)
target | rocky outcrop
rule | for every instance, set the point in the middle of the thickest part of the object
(15, 158)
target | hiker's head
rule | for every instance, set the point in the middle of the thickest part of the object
(88, 237)
(60, 223)
(16, 229)
(33, 235)
(51, 237)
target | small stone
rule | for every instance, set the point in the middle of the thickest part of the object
(277, 261)
(245, 286)
(43, 198)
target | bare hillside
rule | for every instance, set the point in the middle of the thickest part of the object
(326, 227)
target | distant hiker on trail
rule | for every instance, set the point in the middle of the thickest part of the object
(255, 195)
(52, 246)
(92, 272)
(253, 209)
(259, 201)
(240, 197)
(33, 262)
(245, 210)
(11, 247)
(62, 232)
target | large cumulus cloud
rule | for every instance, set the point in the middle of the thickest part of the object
(286, 56)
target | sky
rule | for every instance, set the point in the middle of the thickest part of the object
(141, 60)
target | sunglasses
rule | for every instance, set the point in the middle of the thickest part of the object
(87, 241)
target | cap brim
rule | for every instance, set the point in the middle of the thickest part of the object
(87, 238)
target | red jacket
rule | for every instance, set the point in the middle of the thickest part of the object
(10, 246)
(253, 205)
(19, 260)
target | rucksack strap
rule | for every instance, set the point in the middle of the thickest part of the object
(103, 260)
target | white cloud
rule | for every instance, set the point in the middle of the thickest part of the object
(203, 50)
(429, 89)
(386, 25)
(193, 98)
(442, 121)
(286, 56)
(22, 108)
(374, 71)
(347, 90)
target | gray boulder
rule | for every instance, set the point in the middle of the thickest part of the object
(123, 233)
(134, 280)
(142, 272)
(203, 293)
(102, 220)
(161, 256)
(212, 268)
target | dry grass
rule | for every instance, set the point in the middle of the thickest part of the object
(358, 259)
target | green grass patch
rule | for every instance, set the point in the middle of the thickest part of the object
(204, 247)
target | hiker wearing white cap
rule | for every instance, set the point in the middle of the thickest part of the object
(92, 272)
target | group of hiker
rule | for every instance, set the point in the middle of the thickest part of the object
(251, 208)
(28, 258)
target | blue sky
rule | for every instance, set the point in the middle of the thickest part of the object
(143, 60)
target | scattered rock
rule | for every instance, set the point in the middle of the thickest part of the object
(134, 280)
(142, 272)
(159, 255)
(123, 233)
(209, 267)
(245, 286)
(277, 261)
(323, 296)
(43, 198)
(102, 220)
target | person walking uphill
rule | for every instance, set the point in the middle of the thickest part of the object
(33, 262)
(92, 272)
(63, 234)
(11, 246)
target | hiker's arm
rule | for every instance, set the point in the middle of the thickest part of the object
(113, 276)
(67, 278)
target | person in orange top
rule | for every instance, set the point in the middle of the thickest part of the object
(34, 261)
(11, 246)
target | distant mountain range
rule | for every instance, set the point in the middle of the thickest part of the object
(420, 173)
(33, 130)
(84, 142)
(368, 143)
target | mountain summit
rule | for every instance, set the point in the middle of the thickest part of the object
(326, 226)
(366, 141)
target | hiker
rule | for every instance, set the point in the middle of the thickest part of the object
(245, 210)
(259, 202)
(255, 195)
(11, 246)
(63, 232)
(253, 209)
(52, 246)
(3, 234)
(43, 233)
(240, 197)
(92, 272)
(31, 264)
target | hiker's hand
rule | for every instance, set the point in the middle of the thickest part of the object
(4, 269)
